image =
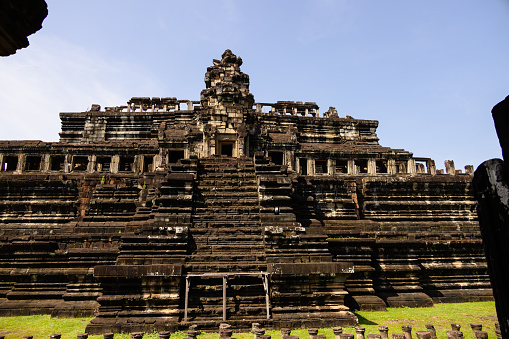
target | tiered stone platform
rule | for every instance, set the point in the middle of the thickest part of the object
(151, 216)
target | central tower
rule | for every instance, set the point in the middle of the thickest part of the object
(225, 101)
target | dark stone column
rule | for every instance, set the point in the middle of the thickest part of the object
(491, 189)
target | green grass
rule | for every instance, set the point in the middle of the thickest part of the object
(441, 316)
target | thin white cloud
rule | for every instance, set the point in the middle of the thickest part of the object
(55, 76)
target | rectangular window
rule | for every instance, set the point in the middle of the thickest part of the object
(420, 167)
(362, 166)
(103, 164)
(320, 166)
(175, 155)
(341, 166)
(10, 163)
(79, 163)
(57, 163)
(381, 166)
(401, 166)
(303, 166)
(276, 157)
(32, 163)
(126, 164)
(148, 162)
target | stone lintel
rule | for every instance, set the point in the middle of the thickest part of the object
(311, 268)
(136, 271)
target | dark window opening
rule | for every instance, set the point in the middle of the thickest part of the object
(175, 155)
(32, 163)
(226, 148)
(148, 161)
(276, 157)
(321, 166)
(103, 164)
(420, 168)
(10, 163)
(381, 166)
(303, 166)
(57, 163)
(342, 166)
(79, 163)
(401, 166)
(362, 166)
(126, 164)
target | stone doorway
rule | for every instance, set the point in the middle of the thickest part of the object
(226, 148)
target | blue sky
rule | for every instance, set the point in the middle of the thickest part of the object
(428, 71)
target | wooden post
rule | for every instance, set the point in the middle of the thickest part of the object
(224, 297)
(187, 298)
(266, 287)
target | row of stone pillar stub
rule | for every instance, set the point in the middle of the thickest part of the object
(226, 331)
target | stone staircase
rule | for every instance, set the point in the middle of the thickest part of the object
(226, 241)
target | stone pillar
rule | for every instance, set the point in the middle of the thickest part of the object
(423, 335)
(137, 161)
(115, 160)
(476, 327)
(407, 331)
(480, 335)
(432, 331)
(67, 163)
(454, 335)
(384, 332)
(351, 166)
(449, 167)
(431, 168)
(391, 166)
(1, 162)
(240, 148)
(189, 105)
(371, 166)
(164, 335)
(306, 112)
(331, 166)
(91, 166)
(285, 332)
(45, 163)
(225, 331)
(455, 327)
(411, 166)
(21, 163)
(313, 332)
(311, 166)
(360, 332)
(158, 161)
(259, 108)
(297, 164)
(258, 332)
(337, 330)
